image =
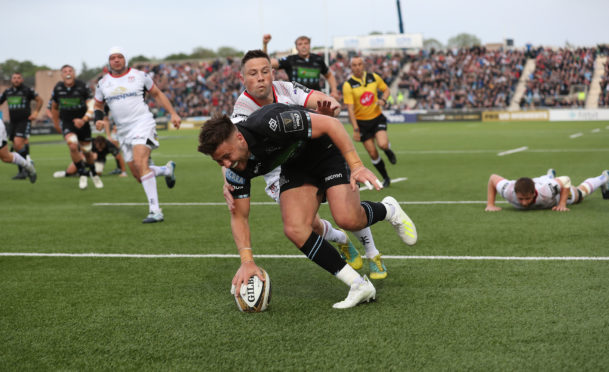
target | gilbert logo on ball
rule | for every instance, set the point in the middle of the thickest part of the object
(254, 296)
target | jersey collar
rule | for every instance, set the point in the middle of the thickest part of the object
(258, 103)
(121, 75)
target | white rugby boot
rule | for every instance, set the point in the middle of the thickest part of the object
(83, 182)
(359, 292)
(400, 221)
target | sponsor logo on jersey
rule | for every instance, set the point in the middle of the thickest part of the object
(273, 125)
(131, 79)
(298, 86)
(234, 178)
(292, 121)
(366, 99)
(333, 177)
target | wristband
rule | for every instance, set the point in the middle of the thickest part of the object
(99, 115)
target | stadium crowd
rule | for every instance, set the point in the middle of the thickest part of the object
(465, 78)
(558, 78)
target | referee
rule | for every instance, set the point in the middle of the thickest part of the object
(360, 94)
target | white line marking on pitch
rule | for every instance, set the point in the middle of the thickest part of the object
(575, 135)
(393, 180)
(523, 148)
(194, 204)
(289, 256)
(596, 130)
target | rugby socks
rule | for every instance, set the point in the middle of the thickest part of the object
(365, 237)
(159, 171)
(81, 168)
(332, 234)
(92, 169)
(23, 153)
(149, 184)
(19, 160)
(375, 211)
(379, 164)
(323, 254)
(588, 186)
(349, 276)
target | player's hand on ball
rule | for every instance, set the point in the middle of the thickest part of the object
(246, 270)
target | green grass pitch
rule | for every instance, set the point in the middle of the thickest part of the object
(120, 313)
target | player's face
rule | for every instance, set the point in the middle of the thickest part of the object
(232, 153)
(258, 78)
(67, 74)
(117, 62)
(303, 46)
(357, 67)
(525, 199)
(16, 80)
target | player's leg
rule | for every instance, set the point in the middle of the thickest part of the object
(377, 161)
(87, 148)
(346, 249)
(382, 140)
(141, 153)
(15, 158)
(19, 133)
(591, 184)
(297, 227)
(168, 171)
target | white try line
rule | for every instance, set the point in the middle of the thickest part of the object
(512, 151)
(196, 204)
(300, 256)
(575, 135)
(596, 130)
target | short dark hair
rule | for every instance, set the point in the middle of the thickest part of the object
(66, 65)
(99, 141)
(251, 54)
(17, 73)
(524, 186)
(215, 131)
(303, 37)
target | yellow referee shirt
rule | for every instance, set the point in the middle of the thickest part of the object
(362, 94)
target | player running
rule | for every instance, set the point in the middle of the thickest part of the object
(123, 90)
(71, 112)
(543, 192)
(14, 157)
(261, 90)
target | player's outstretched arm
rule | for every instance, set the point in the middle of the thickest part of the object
(240, 227)
(163, 101)
(491, 193)
(323, 104)
(564, 194)
(226, 191)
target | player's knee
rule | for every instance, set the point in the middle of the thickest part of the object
(297, 233)
(348, 222)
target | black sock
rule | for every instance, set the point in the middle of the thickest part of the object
(92, 169)
(380, 166)
(375, 211)
(323, 253)
(23, 154)
(27, 149)
(80, 166)
(118, 163)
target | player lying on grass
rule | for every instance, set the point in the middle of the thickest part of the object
(543, 192)
(261, 90)
(312, 150)
(101, 148)
(14, 157)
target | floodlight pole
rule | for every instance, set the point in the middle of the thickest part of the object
(400, 17)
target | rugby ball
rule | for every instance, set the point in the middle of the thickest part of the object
(254, 296)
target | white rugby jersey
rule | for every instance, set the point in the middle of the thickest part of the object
(124, 94)
(547, 189)
(283, 92)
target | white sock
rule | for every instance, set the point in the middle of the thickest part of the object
(18, 159)
(149, 184)
(159, 171)
(333, 235)
(592, 184)
(365, 237)
(349, 276)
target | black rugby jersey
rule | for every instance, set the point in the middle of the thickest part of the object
(19, 102)
(304, 71)
(71, 101)
(276, 134)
